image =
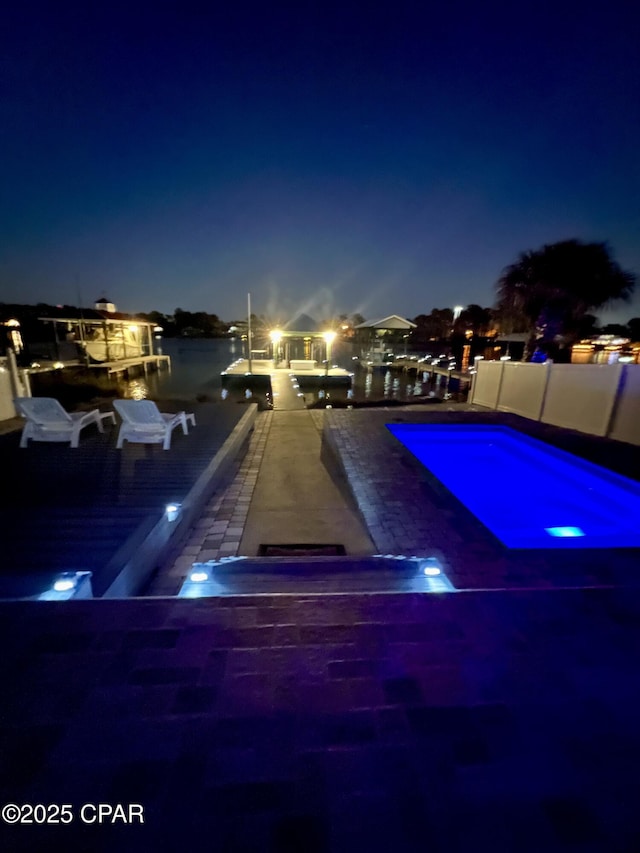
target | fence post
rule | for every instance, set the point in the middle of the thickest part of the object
(622, 380)
(549, 367)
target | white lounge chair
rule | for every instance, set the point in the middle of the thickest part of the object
(48, 421)
(143, 422)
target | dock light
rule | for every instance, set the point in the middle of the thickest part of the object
(58, 365)
(329, 338)
(276, 337)
(505, 358)
(565, 532)
(199, 576)
(431, 571)
(172, 511)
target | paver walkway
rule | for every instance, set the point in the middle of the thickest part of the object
(281, 494)
(286, 392)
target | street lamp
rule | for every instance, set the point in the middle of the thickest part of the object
(276, 337)
(329, 338)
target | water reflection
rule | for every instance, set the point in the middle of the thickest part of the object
(136, 389)
(197, 365)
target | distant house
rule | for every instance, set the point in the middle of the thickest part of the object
(378, 340)
(105, 304)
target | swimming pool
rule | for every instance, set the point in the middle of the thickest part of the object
(529, 494)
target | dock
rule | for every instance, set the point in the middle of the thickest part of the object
(123, 365)
(289, 388)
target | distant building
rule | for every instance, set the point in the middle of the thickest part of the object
(380, 340)
(105, 304)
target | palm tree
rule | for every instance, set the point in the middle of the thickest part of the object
(547, 292)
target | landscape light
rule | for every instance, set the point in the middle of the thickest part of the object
(199, 577)
(65, 582)
(68, 585)
(172, 511)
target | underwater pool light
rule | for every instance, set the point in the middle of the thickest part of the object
(564, 531)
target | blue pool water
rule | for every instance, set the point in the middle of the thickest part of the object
(529, 494)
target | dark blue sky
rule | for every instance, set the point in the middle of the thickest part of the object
(325, 157)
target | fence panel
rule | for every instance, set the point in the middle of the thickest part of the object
(581, 396)
(7, 409)
(487, 381)
(523, 388)
(626, 419)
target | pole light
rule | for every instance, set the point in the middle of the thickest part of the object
(276, 337)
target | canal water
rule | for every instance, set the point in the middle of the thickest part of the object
(197, 364)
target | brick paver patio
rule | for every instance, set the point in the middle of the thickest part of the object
(503, 718)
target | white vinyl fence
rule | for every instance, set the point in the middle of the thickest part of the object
(7, 409)
(13, 383)
(600, 399)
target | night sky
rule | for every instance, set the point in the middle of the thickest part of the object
(326, 157)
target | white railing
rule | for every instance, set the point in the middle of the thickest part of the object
(599, 399)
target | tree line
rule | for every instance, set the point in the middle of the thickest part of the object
(548, 294)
